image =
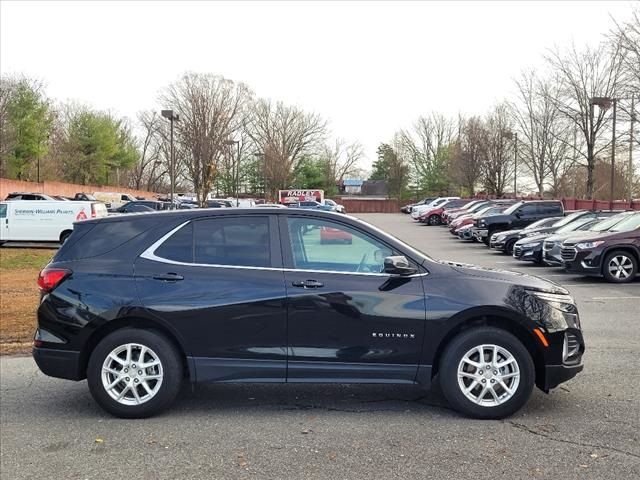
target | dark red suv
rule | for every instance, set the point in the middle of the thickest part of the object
(614, 254)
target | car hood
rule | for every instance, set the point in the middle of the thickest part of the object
(496, 218)
(533, 239)
(524, 280)
(509, 232)
(581, 237)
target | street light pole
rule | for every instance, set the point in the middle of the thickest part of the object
(613, 155)
(168, 114)
(605, 103)
(237, 170)
(515, 167)
(633, 119)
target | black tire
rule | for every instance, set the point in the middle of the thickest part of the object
(434, 220)
(170, 360)
(623, 257)
(508, 247)
(64, 236)
(462, 344)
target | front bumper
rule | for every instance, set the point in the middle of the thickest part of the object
(585, 261)
(528, 254)
(480, 233)
(554, 375)
(58, 363)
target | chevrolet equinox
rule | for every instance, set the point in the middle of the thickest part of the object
(137, 303)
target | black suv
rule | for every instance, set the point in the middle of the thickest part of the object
(519, 215)
(136, 303)
(614, 254)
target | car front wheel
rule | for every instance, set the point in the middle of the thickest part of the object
(486, 373)
(435, 220)
(619, 267)
(134, 373)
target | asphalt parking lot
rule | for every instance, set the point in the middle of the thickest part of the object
(587, 428)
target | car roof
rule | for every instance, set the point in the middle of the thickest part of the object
(210, 212)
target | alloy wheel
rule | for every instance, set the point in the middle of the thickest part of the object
(488, 375)
(620, 267)
(132, 374)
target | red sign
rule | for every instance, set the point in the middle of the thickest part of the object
(295, 196)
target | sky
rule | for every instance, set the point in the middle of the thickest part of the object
(369, 68)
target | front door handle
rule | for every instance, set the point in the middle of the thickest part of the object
(307, 284)
(168, 277)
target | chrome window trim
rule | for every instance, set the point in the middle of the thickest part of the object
(149, 254)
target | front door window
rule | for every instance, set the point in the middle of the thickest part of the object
(328, 246)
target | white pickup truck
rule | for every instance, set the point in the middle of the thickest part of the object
(44, 220)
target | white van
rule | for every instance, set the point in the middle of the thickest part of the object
(44, 221)
(114, 199)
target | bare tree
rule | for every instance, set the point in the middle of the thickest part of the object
(211, 110)
(341, 159)
(284, 134)
(469, 153)
(583, 75)
(429, 145)
(498, 165)
(544, 133)
(627, 36)
(151, 167)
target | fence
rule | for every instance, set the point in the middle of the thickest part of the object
(63, 189)
(363, 205)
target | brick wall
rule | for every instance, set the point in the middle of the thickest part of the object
(65, 189)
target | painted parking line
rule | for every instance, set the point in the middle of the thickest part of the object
(599, 285)
(615, 298)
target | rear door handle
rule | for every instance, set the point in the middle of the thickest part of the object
(168, 277)
(307, 284)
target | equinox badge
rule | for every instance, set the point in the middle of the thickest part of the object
(393, 335)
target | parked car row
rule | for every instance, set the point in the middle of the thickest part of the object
(591, 242)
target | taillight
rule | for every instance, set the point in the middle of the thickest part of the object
(49, 278)
(93, 210)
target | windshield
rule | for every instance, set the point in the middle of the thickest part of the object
(574, 225)
(607, 224)
(539, 223)
(478, 206)
(568, 219)
(628, 224)
(513, 208)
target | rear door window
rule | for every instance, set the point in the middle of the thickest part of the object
(237, 241)
(178, 247)
(528, 210)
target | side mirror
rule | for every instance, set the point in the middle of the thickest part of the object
(518, 214)
(398, 265)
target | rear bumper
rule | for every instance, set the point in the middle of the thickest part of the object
(58, 363)
(557, 374)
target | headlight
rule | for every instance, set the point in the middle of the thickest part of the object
(589, 245)
(500, 238)
(566, 303)
(530, 245)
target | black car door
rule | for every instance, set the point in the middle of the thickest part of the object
(218, 282)
(525, 215)
(348, 321)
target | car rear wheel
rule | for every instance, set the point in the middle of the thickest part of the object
(435, 220)
(64, 236)
(134, 373)
(486, 373)
(619, 267)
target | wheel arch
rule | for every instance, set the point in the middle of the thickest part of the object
(498, 319)
(620, 248)
(64, 233)
(133, 322)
